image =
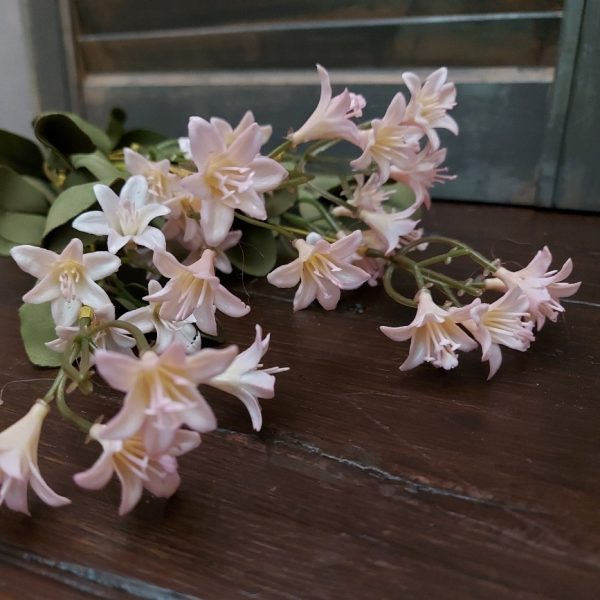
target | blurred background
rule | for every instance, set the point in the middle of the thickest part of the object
(527, 71)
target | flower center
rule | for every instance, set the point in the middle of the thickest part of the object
(127, 214)
(226, 181)
(69, 276)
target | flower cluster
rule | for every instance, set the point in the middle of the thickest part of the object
(128, 275)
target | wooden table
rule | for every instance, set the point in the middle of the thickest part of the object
(365, 482)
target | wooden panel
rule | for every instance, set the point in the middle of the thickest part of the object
(490, 162)
(366, 482)
(358, 44)
(143, 15)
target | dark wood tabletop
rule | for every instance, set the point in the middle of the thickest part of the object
(365, 482)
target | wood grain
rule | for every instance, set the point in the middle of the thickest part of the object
(365, 482)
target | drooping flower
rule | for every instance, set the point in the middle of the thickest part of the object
(194, 290)
(505, 322)
(543, 288)
(245, 380)
(162, 185)
(323, 269)
(222, 261)
(423, 173)
(161, 392)
(124, 218)
(19, 462)
(430, 102)
(148, 319)
(389, 142)
(229, 178)
(434, 334)
(66, 280)
(135, 468)
(183, 222)
(331, 118)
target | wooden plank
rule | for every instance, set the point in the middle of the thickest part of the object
(490, 164)
(366, 482)
(145, 15)
(357, 44)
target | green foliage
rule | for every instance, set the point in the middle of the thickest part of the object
(280, 201)
(401, 197)
(257, 251)
(141, 137)
(97, 164)
(37, 328)
(115, 127)
(20, 154)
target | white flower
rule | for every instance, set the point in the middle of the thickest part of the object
(67, 279)
(434, 334)
(194, 290)
(19, 462)
(162, 185)
(230, 134)
(126, 217)
(245, 380)
(331, 117)
(323, 269)
(148, 318)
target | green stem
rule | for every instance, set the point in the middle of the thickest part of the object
(66, 411)
(278, 152)
(391, 292)
(443, 257)
(289, 232)
(324, 212)
(140, 338)
(330, 197)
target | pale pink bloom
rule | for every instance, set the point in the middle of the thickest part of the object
(423, 173)
(124, 218)
(331, 118)
(434, 334)
(504, 322)
(429, 103)
(389, 142)
(194, 290)
(374, 267)
(222, 261)
(183, 222)
(161, 392)
(542, 287)
(230, 134)
(185, 147)
(66, 280)
(229, 178)
(148, 319)
(135, 468)
(323, 269)
(245, 380)
(19, 462)
(116, 340)
(162, 185)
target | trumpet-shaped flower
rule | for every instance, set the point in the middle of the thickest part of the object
(430, 102)
(19, 462)
(323, 269)
(543, 288)
(434, 334)
(222, 261)
(245, 380)
(124, 218)
(505, 322)
(135, 468)
(389, 142)
(148, 319)
(66, 280)
(161, 393)
(162, 185)
(331, 118)
(194, 290)
(229, 178)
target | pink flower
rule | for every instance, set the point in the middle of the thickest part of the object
(245, 380)
(389, 142)
(429, 103)
(135, 468)
(331, 118)
(161, 392)
(162, 185)
(423, 173)
(230, 177)
(323, 269)
(19, 462)
(504, 322)
(434, 334)
(67, 279)
(124, 218)
(230, 134)
(194, 290)
(222, 261)
(543, 288)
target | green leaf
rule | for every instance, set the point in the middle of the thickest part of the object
(5, 247)
(22, 228)
(114, 129)
(312, 214)
(20, 154)
(280, 201)
(257, 251)
(68, 134)
(401, 196)
(141, 137)
(97, 164)
(69, 204)
(37, 328)
(43, 187)
(19, 195)
(58, 239)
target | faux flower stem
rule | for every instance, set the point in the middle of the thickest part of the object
(326, 214)
(391, 292)
(330, 197)
(279, 152)
(140, 338)
(66, 411)
(290, 232)
(455, 253)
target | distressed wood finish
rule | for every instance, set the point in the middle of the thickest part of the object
(366, 482)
